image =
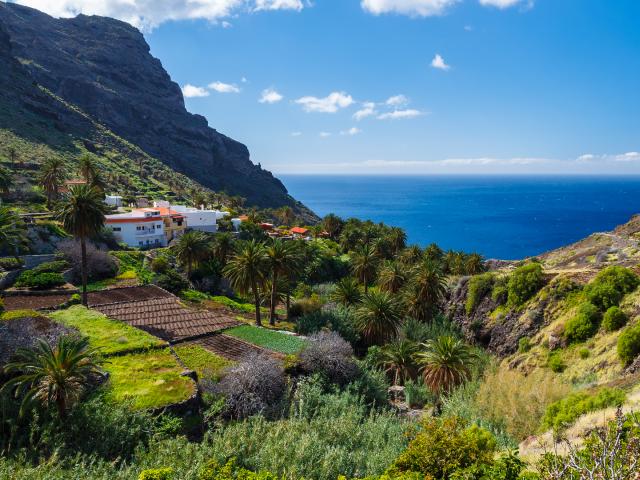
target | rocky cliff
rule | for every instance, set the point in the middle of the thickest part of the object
(104, 67)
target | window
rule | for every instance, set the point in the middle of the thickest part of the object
(139, 227)
(116, 229)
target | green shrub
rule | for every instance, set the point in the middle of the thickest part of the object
(524, 283)
(614, 319)
(479, 287)
(610, 286)
(500, 292)
(584, 324)
(1, 305)
(312, 322)
(629, 344)
(157, 474)
(230, 471)
(305, 306)
(524, 344)
(564, 412)
(584, 353)
(417, 394)
(57, 266)
(556, 363)
(160, 264)
(39, 281)
(172, 281)
(193, 296)
(10, 263)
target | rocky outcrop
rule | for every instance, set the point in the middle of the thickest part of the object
(104, 67)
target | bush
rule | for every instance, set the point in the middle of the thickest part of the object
(564, 412)
(39, 281)
(610, 286)
(524, 283)
(312, 322)
(444, 446)
(500, 292)
(629, 344)
(305, 306)
(11, 263)
(157, 474)
(584, 353)
(100, 265)
(331, 356)
(254, 386)
(556, 363)
(371, 386)
(417, 394)
(614, 319)
(524, 344)
(479, 287)
(160, 264)
(584, 324)
(172, 281)
(57, 266)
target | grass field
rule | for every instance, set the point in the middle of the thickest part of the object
(150, 379)
(272, 340)
(206, 364)
(111, 336)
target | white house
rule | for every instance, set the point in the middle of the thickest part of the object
(196, 218)
(113, 200)
(139, 228)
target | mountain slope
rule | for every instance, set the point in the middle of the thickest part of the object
(103, 66)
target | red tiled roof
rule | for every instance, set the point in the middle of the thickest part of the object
(299, 230)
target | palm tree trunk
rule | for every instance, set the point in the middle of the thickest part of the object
(256, 299)
(272, 304)
(83, 249)
(61, 404)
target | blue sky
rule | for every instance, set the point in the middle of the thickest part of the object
(405, 86)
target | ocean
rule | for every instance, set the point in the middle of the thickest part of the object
(506, 217)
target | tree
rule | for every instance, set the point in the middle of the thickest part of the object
(446, 363)
(474, 264)
(378, 317)
(53, 375)
(392, 277)
(51, 176)
(82, 215)
(247, 269)
(398, 359)
(192, 248)
(426, 290)
(364, 262)
(286, 215)
(332, 224)
(88, 167)
(346, 292)
(283, 261)
(13, 232)
(6, 180)
(398, 239)
(223, 247)
(411, 255)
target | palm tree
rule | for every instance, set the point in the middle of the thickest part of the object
(446, 363)
(392, 277)
(364, 262)
(88, 167)
(474, 264)
(346, 292)
(53, 375)
(247, 269)
(191, 249)
(13, 232)
(426, 290)
(223, 247)
(286, 215)
(6, 180)
(332, 224)
(434, 253)
(82, 215)
(51, 177)
(378, 317)
(398, 359)
(411, 255)
(283, 261)
(398, 239)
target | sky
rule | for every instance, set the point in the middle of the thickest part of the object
(404, 86)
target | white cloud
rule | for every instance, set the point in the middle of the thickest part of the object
(270, 95)
(398, 114)
(224, 87)
(616, 158)
(351, 132)
(148, 14)
(439, 63)
(324, 134)
(368, 110)
(244, 80)
(226, 24)
(416, 8)
(502, 4)
(191, 91)
(397, 101)
(329, 104)
(296, 134)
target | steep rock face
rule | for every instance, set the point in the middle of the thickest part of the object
(104, 66)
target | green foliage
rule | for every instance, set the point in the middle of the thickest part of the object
(160, 264)
(614, 319)
(57, 266)
(171, 281)
(110, 336)
(206, 364)
(305, 306)
(524, 344)
(564, 412)
(584, 324)
(524, 283)
(235, 305)
(194, 296)
(479, 287)
(133, 260)
(556, 363)
(445, 446)
(10, 263)
(610, 286)
(269, 339)
(313, 322)
(500, 292)
(230, 471)
(417, 394)
(629, 344)
(584, 353)
(165, 473)
(39, 281)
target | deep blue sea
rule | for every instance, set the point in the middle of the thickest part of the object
(503, 217)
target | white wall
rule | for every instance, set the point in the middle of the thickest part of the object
(133, 233)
